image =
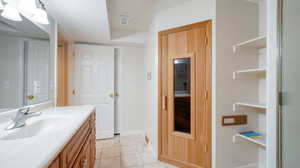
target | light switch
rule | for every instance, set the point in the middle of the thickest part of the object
(36, 87)
(149, 76)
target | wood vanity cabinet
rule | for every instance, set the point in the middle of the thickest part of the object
(80, 152)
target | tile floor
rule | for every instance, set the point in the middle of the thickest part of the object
(125, 152)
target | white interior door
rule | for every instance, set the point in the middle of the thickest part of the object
(94, 84)
(38, 64)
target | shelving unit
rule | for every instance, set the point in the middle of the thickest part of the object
(251, 75)
(247, 76)
(261, 141)
(253, 1)
(256, 43)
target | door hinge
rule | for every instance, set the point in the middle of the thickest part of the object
(206, 40)
(280, 98)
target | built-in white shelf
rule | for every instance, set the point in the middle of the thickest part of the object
(256, 43)
(261, 141)
(251, 105)
(253, 1)
(260, 72)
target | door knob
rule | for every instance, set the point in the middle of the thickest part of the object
(111, 95)
(30, 97)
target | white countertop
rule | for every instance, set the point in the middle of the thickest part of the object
(38, 143)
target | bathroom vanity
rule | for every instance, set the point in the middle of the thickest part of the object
(80, 152)
(61, 137)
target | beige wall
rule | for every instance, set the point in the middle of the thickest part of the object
(131, 87)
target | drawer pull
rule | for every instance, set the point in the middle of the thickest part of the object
(84, 163)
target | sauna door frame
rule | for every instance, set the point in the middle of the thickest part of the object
(208, 26)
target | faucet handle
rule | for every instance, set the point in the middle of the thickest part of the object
(25, 110)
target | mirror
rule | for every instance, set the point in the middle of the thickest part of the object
(25, 64)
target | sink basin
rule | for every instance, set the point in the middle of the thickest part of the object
(34, 126)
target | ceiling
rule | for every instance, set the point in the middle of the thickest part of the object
(139, 14)
(98, 21)
(81, 20)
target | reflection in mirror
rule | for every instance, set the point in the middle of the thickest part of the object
(24, 64)
(182, 95)
(37, 68)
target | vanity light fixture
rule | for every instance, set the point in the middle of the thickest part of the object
(28, 7)
(11, 13)
(40, 14)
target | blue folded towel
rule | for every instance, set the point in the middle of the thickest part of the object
(251, 134)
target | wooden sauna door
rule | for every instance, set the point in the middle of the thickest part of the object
(185, 96)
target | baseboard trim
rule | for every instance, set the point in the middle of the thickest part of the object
(128, 133)
(141, 133)
(104, 135)
(180, 164)
(154, 154)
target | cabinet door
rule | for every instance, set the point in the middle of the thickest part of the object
(92, 148)
(74, 147)
(78, 162)
(84, 158)
(86, 154)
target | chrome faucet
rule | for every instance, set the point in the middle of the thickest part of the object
(21, 117)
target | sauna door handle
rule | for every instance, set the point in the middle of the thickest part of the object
(165, 102)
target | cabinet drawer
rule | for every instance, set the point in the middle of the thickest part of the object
(72, 150)
(87, 154)
(93, 146)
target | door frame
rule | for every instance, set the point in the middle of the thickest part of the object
(208, 25)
